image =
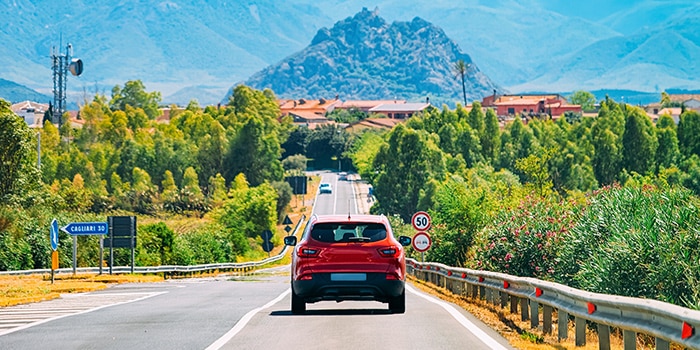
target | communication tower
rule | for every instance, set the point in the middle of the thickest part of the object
(61, 63)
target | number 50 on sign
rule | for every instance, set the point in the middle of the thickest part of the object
(421, 221)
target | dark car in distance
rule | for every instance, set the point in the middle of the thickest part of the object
(348, 257)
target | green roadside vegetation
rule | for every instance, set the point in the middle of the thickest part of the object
(607, 203)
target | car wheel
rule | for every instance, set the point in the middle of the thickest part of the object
(397, 305)
(298, 304)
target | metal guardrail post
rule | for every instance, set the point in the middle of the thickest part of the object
(580, 326)
(603, 337)
(547, 319)
(562, 324)
(524, 312)
(514, 300)
(534, 314)
(629, 338)
(662, 344)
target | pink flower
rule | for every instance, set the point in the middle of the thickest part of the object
(508, 257)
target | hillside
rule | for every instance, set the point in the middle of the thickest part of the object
(364, 57)
(176, 46)
(633, 62)
(13, 93)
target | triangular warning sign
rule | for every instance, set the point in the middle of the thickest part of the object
(287, 221)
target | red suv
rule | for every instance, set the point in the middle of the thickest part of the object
(343, 257)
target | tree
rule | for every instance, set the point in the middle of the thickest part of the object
(133, 94)
(461, 69)
(639, 142)
(689, 133)
(17, 165)
(668, 152)
(255, 153)
(405, 165)
(584, 99)
(491, 140)
(606, 135)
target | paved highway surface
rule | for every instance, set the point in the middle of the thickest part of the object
(240, 312)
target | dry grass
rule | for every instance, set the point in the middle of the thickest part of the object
(518, 332)
(15, 290)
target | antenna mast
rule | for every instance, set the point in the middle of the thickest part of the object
(60, 64)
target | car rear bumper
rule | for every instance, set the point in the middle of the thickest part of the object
(376, 287)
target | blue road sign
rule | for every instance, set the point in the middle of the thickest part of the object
(54, 234)
(86, 228)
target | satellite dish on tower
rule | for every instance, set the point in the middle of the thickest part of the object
(76, 67)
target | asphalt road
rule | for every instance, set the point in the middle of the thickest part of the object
(239, 312)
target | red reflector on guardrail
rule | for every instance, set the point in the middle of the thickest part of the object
(449, 273)
(688, 331)
(506, 284)
(591, 308)
(464, 275)
(481, 279)
(538, 292)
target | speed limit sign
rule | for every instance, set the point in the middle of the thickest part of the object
(421, 221)
(422, 242)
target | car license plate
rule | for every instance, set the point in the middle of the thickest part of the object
(348, 277)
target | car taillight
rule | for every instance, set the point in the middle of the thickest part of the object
(388, 252)
(391, 276)
(306, 252)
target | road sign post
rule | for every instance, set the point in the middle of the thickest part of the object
(53, 238)
(76, 229)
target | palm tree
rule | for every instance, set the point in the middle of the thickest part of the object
(461, 68)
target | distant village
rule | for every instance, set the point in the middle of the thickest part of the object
(385, 114)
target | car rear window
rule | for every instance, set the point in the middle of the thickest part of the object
(358, 232)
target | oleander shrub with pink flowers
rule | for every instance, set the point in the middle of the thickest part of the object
(640, 241)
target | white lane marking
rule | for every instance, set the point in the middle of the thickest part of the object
(335, 195)
(244, 321)
(471, 327)
(28, 325)
(355, 199)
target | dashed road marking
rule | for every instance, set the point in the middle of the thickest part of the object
(15, 318)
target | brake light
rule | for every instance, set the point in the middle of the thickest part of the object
(388, 252)
(391, 276)
(306, 252)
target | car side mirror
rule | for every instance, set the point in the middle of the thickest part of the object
(405, 240)
(291, 240)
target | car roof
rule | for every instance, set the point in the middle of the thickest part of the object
(364, 218)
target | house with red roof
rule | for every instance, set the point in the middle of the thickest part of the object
(553, 105)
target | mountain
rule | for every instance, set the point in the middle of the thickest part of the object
(363, 57)
(652, 59)
(13, 93)
(172, 45)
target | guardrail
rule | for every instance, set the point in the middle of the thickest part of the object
(664, 321)
(169, 269)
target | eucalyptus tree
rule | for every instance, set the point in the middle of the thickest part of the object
(606, 137)
(583, 98)
(668, 153)
(17, 161)
(491, 139)
(134, 94)
(639, 142)
(405, 165)
(689, 133)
